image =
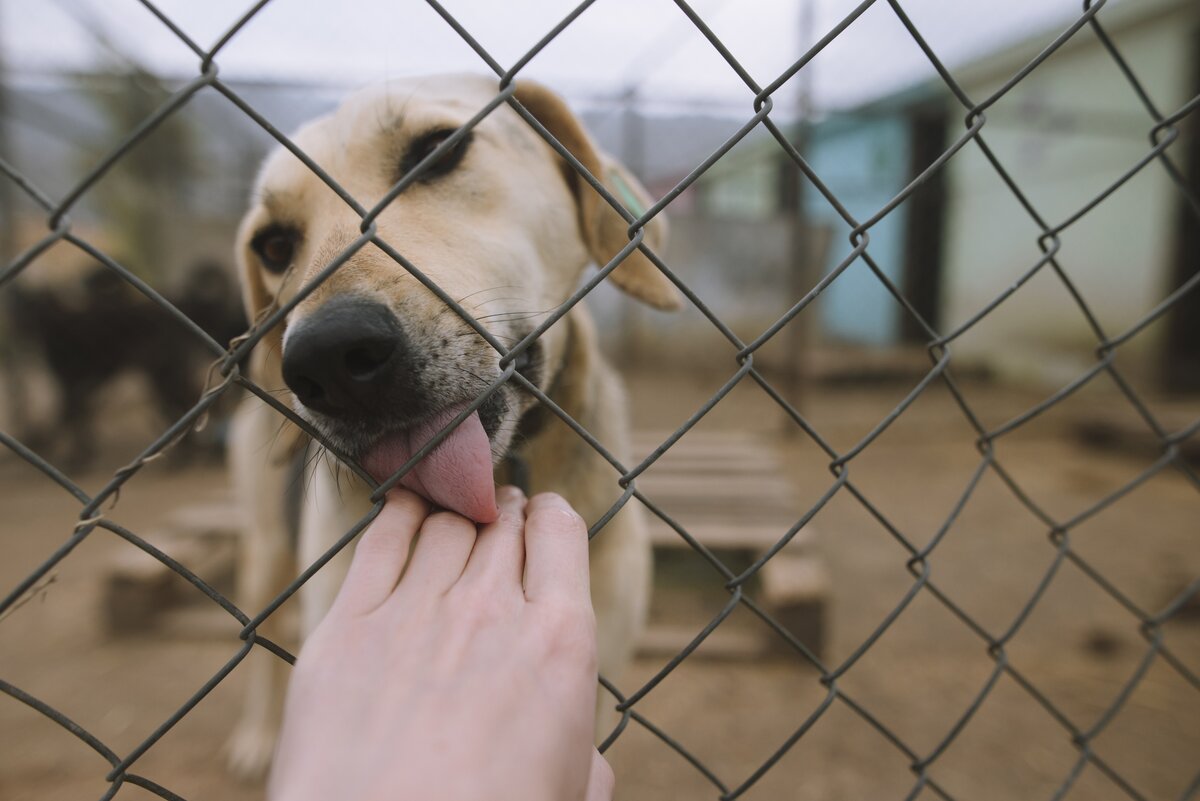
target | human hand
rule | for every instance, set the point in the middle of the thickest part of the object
(453, 680)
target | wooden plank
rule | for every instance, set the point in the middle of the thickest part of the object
(208, 621)
(767, 484)
(702, 443)
(727, 511)
(696, 445)
(197, 554)
(791, 577)
(728, 489)
(729, 439)
(666, 640)
(221, 518)
(795, 590)
(757, 458)
(139, 588)
(1123, 432)
(729, 534)
(756, 465)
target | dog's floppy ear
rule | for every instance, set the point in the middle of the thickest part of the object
(264, 360)
(265, 366)
(255, 295)
(605, 232)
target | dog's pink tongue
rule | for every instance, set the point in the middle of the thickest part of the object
(456, 475)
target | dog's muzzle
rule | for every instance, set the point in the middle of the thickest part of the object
(350, 362)
(344, 359)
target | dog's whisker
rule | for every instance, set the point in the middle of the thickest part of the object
(461, 300)
(339, 470)
(511, 316)
(335, 467)
(310, 466)
(400, 277)
(503, 299)
(480, 380)
(469, 334)
(472, 334)
(278, 433)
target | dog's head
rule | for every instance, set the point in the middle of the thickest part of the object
(501, 223)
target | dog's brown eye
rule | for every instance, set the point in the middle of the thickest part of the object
(423, 145)
(275, 247)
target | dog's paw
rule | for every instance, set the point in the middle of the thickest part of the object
(249, 750)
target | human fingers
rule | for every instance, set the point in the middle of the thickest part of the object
(381, 553)
(556, 551)
(601, 781)
(443, 546)
(498, 558)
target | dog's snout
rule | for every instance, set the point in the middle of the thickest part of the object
(343, 357)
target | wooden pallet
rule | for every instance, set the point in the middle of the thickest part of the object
(142, 594)
(731, 492)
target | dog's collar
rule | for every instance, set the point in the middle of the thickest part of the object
(516, 469)
(532, 422)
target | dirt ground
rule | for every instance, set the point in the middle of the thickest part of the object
(1078, 647)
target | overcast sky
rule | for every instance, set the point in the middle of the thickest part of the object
(614, 42)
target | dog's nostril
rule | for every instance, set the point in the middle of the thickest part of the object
(364, 361)
(307, 390)
(342, 358)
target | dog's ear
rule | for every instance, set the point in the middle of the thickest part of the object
(265, 365)
(605, 232)
(255, 295)
(257, 299)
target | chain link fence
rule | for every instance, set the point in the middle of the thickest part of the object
(1162, 129)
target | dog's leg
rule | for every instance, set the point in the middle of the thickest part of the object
(75, 420)
(260, 475)
(621, 565)
(621, 560)
(330, 510)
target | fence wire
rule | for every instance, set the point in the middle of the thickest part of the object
(1162, 131)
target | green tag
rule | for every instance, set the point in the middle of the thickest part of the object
(631, 200)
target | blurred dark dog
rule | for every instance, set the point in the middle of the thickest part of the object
(98, 328)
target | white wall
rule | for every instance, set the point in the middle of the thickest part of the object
(1065, 133)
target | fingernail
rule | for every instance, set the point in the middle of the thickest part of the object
(509, 495)
(554, 500)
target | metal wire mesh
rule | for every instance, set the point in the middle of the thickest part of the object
(1162, 130)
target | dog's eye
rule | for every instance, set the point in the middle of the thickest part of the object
(423, 145)
(275, 247)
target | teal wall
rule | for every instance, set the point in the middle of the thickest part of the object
(864, 157)
(865, 162)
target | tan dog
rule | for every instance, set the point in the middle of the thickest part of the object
(378, 364)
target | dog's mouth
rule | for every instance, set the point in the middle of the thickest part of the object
(456, 474)
(382, 394)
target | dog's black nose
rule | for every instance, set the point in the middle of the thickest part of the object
(343, 357)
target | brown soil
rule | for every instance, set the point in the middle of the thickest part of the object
(1078, 647)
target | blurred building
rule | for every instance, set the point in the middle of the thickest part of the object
(174, 200)
(750, 238)
(865, 156)
(1066, 133)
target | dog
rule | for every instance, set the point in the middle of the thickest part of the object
(378, 364)
(91, 327)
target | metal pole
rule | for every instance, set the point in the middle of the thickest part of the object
(804, 254)
(15, 412)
